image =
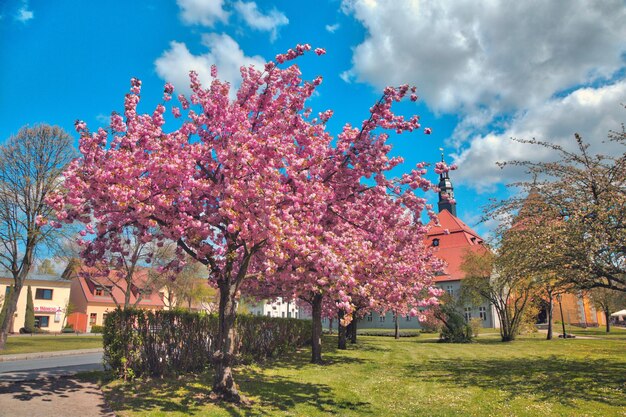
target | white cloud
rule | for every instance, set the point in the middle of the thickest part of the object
(347, 76)
(591, 112)
(264, 22)
(521, 69)
(176, 62)
(465, 56)
(332, 28)
(23, 14)
(202, 12)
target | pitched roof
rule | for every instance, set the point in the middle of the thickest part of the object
(454, 239)
(91, 278)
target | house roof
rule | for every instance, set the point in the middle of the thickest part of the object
(91, 278)
(36, 277)
(455, 238)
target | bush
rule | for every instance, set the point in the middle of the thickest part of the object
(68, 329)
(29, 317)
(97, 329)
(156, 343)
(455, 329)
(476, 324)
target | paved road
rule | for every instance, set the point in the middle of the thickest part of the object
(29, 369)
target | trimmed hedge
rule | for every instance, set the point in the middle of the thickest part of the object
(156, 343)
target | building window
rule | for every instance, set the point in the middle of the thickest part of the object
(369, 317)
(450, 290)
(93, 317)
(283, 314)
(483, 313)
(435, 242)
(381, 318)
(7, 291)
(43, 294)
(468, 314)
(296, 315)
(99, 291)
(269, 314)
(408, 317)
(42, 321)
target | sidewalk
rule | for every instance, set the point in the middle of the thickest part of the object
(41, 355)
(52, 397)
(46, 394)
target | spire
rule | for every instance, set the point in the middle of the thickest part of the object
(445, 188)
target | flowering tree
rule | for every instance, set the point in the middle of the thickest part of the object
(242, 186)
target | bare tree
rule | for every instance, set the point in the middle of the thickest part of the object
(495, 278)
(607, 300)
(589, 192)
(31, 165)
(120, 265)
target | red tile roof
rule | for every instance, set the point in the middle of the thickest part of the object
(91, 278)
(455, 238)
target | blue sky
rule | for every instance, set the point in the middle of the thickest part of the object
(484, 72)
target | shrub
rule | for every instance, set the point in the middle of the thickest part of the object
(455, 329)
(29, 317)
(476, 324)
(68, 329)
(97, 329)
(155, 343)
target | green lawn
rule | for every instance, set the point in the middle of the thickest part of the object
(618, 333)
(408, 377)
(30, 344)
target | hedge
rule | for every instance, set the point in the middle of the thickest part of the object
(157, 343)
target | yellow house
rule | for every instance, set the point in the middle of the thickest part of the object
(51, 294)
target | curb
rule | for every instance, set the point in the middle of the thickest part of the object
(41, 355)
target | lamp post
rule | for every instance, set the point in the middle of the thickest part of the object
(558, 297)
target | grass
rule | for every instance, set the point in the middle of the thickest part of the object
(407, 377)
(27, 344)
(616, 333)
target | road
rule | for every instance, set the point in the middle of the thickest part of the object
(29, 369)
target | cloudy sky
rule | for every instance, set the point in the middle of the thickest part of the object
(485, 71)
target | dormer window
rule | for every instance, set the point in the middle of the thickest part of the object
(99, 291)
(435, 242)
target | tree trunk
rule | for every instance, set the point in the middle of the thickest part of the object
(607, 316)
(550, 305)
(341, 332)
(223, 384)
(396, 327)
(353, 331)
(10, 311)
(316, 333)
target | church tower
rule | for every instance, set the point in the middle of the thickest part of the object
(446, 192)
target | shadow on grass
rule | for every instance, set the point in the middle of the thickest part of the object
(552, 378)
(272, 393)
(189, 394)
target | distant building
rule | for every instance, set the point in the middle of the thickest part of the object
(450, 240)
(50, 296)
(93, 297)
(278, 308)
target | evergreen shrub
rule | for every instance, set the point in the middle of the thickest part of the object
(168, 342)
